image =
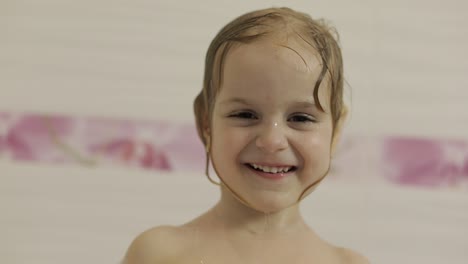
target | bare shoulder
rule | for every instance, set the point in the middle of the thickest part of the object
(157, 245)
(352, 257)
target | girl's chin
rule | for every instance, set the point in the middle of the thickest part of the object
(269, 205)
(265, 201)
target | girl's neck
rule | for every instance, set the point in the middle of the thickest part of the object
(234, 216)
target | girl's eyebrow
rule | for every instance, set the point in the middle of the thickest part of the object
(299, 104)
(236, 100)
(305, 104)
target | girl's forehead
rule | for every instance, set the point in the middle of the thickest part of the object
(293, 53)
(271, 69)
(271, 63)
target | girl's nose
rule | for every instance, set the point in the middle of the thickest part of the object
(271, 138)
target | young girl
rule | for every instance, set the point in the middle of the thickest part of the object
(270, 114)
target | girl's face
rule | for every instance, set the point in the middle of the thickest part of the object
(269, 140)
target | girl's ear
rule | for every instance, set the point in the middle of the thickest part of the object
(338, 130)
(205, 124)
(207, 137)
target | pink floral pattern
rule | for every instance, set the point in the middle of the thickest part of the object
(99, 141)
(425, 162)
(161, 145)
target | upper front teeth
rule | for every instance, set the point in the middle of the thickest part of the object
(271, 169)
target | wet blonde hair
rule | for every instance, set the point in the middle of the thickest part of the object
(260, 24)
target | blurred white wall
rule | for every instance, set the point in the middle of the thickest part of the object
(406, 63)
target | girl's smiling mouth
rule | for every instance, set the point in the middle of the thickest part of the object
(271, 172)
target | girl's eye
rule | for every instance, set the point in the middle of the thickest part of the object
(244, 115)
(302, 118)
